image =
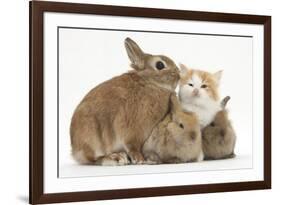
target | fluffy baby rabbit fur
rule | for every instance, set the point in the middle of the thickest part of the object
(176, 139)
(115, 118)
(219, 137)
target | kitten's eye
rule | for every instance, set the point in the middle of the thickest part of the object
(190, 84)
(159, 65)
(204, 86)
(181, 125)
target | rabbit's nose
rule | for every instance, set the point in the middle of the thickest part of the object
(175, 74)
(193, 135)
(177, 69)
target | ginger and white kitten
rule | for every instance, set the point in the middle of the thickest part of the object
(198, 93)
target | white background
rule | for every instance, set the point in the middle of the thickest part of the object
(14, 103)
(89, 57)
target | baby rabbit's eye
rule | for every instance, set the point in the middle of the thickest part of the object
(190, 84)
(160, 65)
(204, 86)
(181, 125)
(212, 124)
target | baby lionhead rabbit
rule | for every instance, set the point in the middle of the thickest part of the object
(112, 122)
(198, 93)
(176, 139)
(219, 137)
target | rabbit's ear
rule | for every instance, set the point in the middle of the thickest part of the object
(224, 102)
(136, 55)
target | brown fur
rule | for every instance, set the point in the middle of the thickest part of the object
(176, 139)
(219, 137)
(118, 115)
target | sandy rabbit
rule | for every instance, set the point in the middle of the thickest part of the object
(115, 118)
(219, 137)
(176, 139)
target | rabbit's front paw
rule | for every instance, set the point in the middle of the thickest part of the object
(122, 158)
(136, 157)
(115, 159)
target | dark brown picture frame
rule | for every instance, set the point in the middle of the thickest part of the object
(37, 8)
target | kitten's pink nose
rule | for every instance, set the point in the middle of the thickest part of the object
(195, 92)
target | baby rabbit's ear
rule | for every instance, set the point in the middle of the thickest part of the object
(136, 55)
(183, 70)
(224, 102)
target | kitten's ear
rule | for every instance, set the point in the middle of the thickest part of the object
(183, 69)
(218, 75)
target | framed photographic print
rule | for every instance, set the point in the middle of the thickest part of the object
(137, 102)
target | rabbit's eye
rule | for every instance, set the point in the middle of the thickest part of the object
(181, 125)
(190, 84)
(212, 124)
(204, 86)
(160, 65)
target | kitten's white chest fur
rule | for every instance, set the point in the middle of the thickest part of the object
(205, 110)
